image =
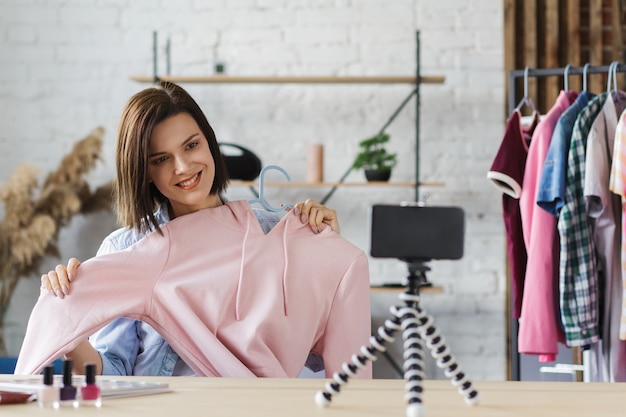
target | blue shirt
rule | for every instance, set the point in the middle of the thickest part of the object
(551, 189)
(132, 347)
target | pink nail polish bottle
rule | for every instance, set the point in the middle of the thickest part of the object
(48, 394)
(90, 391)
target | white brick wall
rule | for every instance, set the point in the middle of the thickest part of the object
(64, 70)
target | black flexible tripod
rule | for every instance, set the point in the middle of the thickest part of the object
(416, 325)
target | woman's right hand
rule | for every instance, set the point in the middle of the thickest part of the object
(58, 280)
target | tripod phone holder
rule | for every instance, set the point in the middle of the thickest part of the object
(413, 234)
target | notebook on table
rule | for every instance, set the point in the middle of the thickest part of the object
(109, 388)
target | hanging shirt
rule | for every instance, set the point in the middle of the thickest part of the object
(539, 326)
(578, 275)
(551, 191)
(231, 300)
(507, 174)
(608, 356)
(618, 186)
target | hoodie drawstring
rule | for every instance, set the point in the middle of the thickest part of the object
(243, 267)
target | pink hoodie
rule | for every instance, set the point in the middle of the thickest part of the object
(231, 300)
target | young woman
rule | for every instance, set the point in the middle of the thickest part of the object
(168, 164)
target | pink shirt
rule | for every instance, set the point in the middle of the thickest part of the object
(231, 300)
(539, 326)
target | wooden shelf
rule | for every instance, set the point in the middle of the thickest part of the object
(333, 184)
(414, 80)
(280, 79)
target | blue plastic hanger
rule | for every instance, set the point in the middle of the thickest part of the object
(261, 199)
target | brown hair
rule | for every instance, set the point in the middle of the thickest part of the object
(136, 197)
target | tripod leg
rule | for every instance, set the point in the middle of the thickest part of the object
(377, 344)
(440, 351)
(413, 360)
(416, 326)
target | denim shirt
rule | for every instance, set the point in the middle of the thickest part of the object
(131, 347)
(551, 189)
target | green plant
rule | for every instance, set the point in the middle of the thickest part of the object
(374, 155)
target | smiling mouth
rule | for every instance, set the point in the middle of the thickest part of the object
(191, 181)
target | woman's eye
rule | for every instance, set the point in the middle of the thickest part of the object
(192, 145)
(159, 160)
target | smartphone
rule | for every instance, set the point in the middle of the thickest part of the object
(417, 233)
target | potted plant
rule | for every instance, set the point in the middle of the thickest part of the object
(374, 158)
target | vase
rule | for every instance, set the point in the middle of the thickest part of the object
(315, 163)
(375, 175)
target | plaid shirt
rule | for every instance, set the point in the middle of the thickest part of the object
(578, 274)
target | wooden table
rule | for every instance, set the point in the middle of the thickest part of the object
(229, 397)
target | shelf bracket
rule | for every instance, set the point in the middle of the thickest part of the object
(414, 92)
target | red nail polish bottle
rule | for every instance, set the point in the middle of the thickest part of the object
(90, 391)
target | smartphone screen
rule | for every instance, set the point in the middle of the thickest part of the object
(418, 233)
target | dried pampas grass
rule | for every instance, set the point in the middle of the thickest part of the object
(33, 217)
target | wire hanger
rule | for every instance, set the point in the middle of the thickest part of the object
(526, 100)
(261, 198)
(585, 68)
(566, 77)
(617, 95)
(612, 76)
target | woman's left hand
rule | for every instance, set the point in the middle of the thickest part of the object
(316, 214)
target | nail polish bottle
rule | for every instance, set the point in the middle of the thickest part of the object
(90, 391)
(68, 391)
(48, 394)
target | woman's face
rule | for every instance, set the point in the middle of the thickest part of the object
(181, 165)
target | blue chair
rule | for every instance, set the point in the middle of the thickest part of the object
(7, 365)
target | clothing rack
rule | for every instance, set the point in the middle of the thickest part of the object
(551, 72)
(587, 69)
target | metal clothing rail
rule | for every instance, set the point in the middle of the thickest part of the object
(551, 72)
(515, 365)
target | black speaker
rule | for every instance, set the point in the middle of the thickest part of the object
(241, 163)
